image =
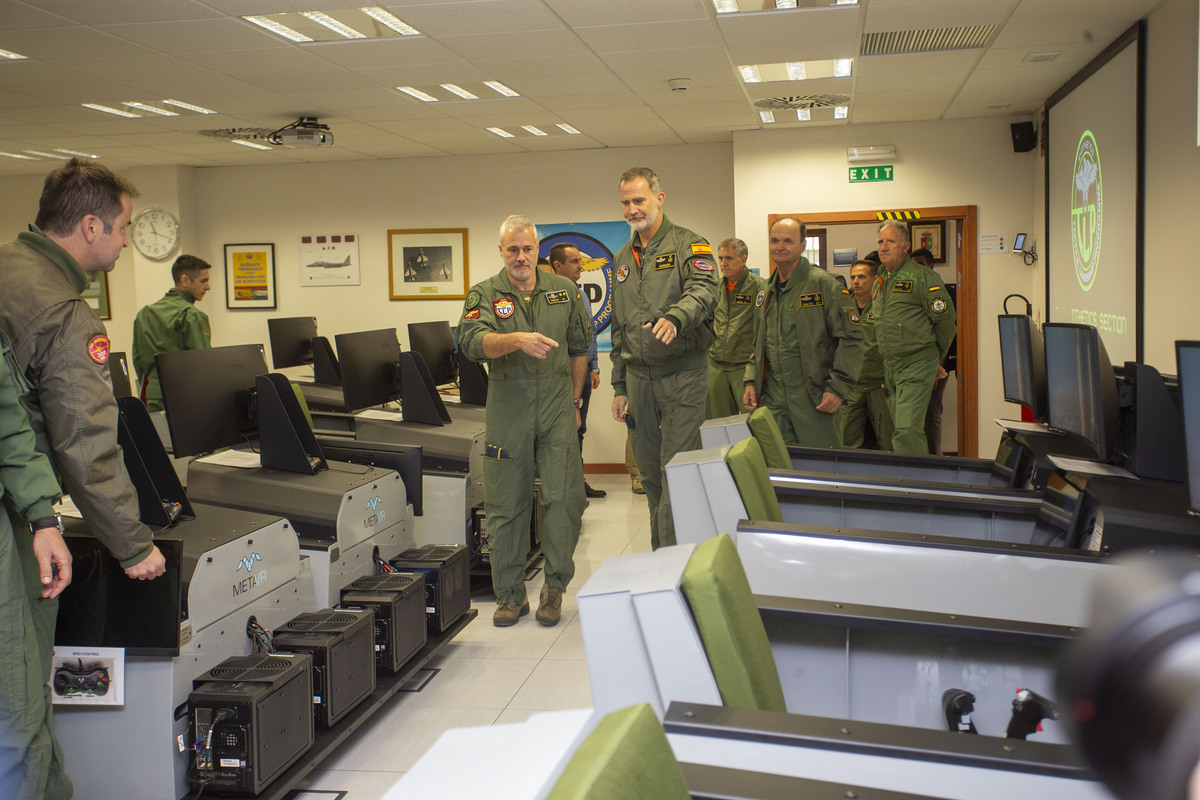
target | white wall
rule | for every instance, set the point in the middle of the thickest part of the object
(957, 162)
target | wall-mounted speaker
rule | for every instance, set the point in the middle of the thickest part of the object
(1023, 136)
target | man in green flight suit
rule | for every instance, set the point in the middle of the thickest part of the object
(914, 325)
(867, 421)
(735, 324)
(531, 328)
(810, 344)
(171, 324)
(663, 297)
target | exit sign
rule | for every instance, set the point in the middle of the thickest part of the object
(871, 174)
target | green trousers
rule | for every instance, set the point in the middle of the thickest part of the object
(543, 435)
(865, 410)
(798, 419)
(725, 390)
(909, 389)
(31, 760)
(667, 411)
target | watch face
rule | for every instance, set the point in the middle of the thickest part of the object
(155, 233)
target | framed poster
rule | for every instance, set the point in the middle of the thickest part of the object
(931, 236)
(428, 264)
(250, 276)
(96, 293)
(329, 259)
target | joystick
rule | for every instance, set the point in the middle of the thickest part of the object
(81, 681)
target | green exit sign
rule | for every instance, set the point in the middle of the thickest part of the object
(871, 174)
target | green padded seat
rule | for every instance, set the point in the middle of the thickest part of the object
(766, 432)
(626, 757)
(734, 637)
(749, 470)
(303, 403)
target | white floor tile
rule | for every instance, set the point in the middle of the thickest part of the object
(570, 645)
(399, 734)
(555, 685)
(358, 785)
(474, 682)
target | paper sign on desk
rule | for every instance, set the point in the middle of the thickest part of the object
(388, 416)
(242, 459)
(1022, 426)
(1090, 467)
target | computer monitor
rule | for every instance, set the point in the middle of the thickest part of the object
(1023, 363)
(370, 367)
(435, 343)
(1081, 386)
(207, 395)
(118, 370)
(292, 340)
(1187, 357)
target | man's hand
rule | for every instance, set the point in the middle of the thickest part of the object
(52, 554)
(595, 379)
(534, 344)
(663, 330)
(618, 407)
(750, 398)
(578, 417)
(149, 567)
(942, 372)
(830, 403)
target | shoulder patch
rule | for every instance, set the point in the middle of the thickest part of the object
(472, 314)
(665, 261)
(939, 306)
(701, 249)
(703, 266)
(622, 273)
(560, 296)
(852, 315)
(98, 347)
(845, 291)
(935, 288)
(902, 286)
(473, 299)
(504, 308)
(812, 300)
(760, 299)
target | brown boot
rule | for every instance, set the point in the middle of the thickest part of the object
(550, 606)
(637, 485)
(509, 613)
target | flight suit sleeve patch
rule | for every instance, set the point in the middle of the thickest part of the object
(497, 452)
(560, 296)
(701, 249)
(760, 299)
(703, 266)
(939, 306)
(622, 273)
(472, 314)
(98, 347)
(902, 286)
(845, 291)
(935, 288)
(812, 300)
(743, 299)
(473, 299)
(504, 308)
(852, 315)
(665, 261)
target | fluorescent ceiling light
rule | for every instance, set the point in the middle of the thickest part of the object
(497, 86)
(11, 55)
(321, 18)
(803, 114)
(396, 24)
(254, 145)
(872, 152)
(571, 129)
(454, 88)
(17, 155)
(143, 107)
(417, 93)
(278, 28)
(75, 153)
(795, 70)
(785, 3)
(846, 2)
(501, 132)
(534, 130)
(842, 67)
(750, 74)
(107, 110)
(840, 112)
(767, 116)
(188, 106)
(43, 155)
(726, 6)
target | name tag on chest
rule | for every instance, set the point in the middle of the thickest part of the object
(902, 286)
(666, 261)
(560, 296)
(743, 299)
(811, 300)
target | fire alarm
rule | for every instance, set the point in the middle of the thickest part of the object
(679, 84)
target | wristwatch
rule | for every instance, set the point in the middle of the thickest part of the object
(579, 402)
(48, 522)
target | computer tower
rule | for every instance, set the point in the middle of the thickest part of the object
(447, 574)
(251, 718)
(398, 600)
(342, 646)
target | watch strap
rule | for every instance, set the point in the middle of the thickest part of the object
(47, 522)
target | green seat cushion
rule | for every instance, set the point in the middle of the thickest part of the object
(766, 432)
(749, 470)
(626, 757)
(303, 403)
(735, 640)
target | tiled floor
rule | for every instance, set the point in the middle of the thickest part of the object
(491, 675)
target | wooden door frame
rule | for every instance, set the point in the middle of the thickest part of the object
(967, 305)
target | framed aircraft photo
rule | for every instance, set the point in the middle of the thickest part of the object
(328, 259)
(428, 264)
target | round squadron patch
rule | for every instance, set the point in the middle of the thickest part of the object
(760, 299)
(503, 308)
(98, 347)
(939, 306)
(622, 273)
(473, 299)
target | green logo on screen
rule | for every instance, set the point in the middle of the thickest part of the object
(1087, 206)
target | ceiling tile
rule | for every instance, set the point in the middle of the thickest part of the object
(935, 14)
(588, 13)
(651, 36)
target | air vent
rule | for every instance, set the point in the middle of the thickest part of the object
(250, 668)
(892, 43)
(996, 106)
(1041, 58)
(803, 101)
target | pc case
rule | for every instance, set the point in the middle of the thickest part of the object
(398, 600)
(447, 574)
(251, 718)
(342, 646)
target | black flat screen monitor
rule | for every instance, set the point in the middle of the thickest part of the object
(435, 343)
(369, 362)
(292, 340)
(1081, 386)
(1187, 357)
(207, 396)
(1023, 363)
(118, 370)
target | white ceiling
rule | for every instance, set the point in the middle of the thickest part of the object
(599, 65)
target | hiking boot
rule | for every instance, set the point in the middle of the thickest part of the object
(590, 492)
(550, 606)
(637, 486)
(509, 613)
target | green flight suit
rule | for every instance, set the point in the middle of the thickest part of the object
(673, 276)
(810, 342)
(530, 420)
(867, 402)
(166, 326)
(914, 324)
(30, 758)
(735, 324)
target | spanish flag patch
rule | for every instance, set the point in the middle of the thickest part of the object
(701, 249)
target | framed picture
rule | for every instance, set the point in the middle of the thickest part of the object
(931, 236)
(329, 259)
(249, 276)
(96, 293)
(429, 264)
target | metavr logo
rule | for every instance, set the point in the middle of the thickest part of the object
(248, 562)
(1087, 210)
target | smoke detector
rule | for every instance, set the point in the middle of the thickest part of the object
(679, 84)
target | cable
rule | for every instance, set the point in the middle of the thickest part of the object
(384, 566)
(1028, 305)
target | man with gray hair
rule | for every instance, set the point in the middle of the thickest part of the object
(914, 324)
(530, 326)
(735, 324)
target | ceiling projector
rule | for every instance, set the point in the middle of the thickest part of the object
(304, 132)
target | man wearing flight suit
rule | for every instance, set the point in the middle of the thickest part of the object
(663, 297)
(531, 328)
(914, 325)
(62, 349)
(810, 344)
(866, 421)
(171, 324)
(735, 324)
